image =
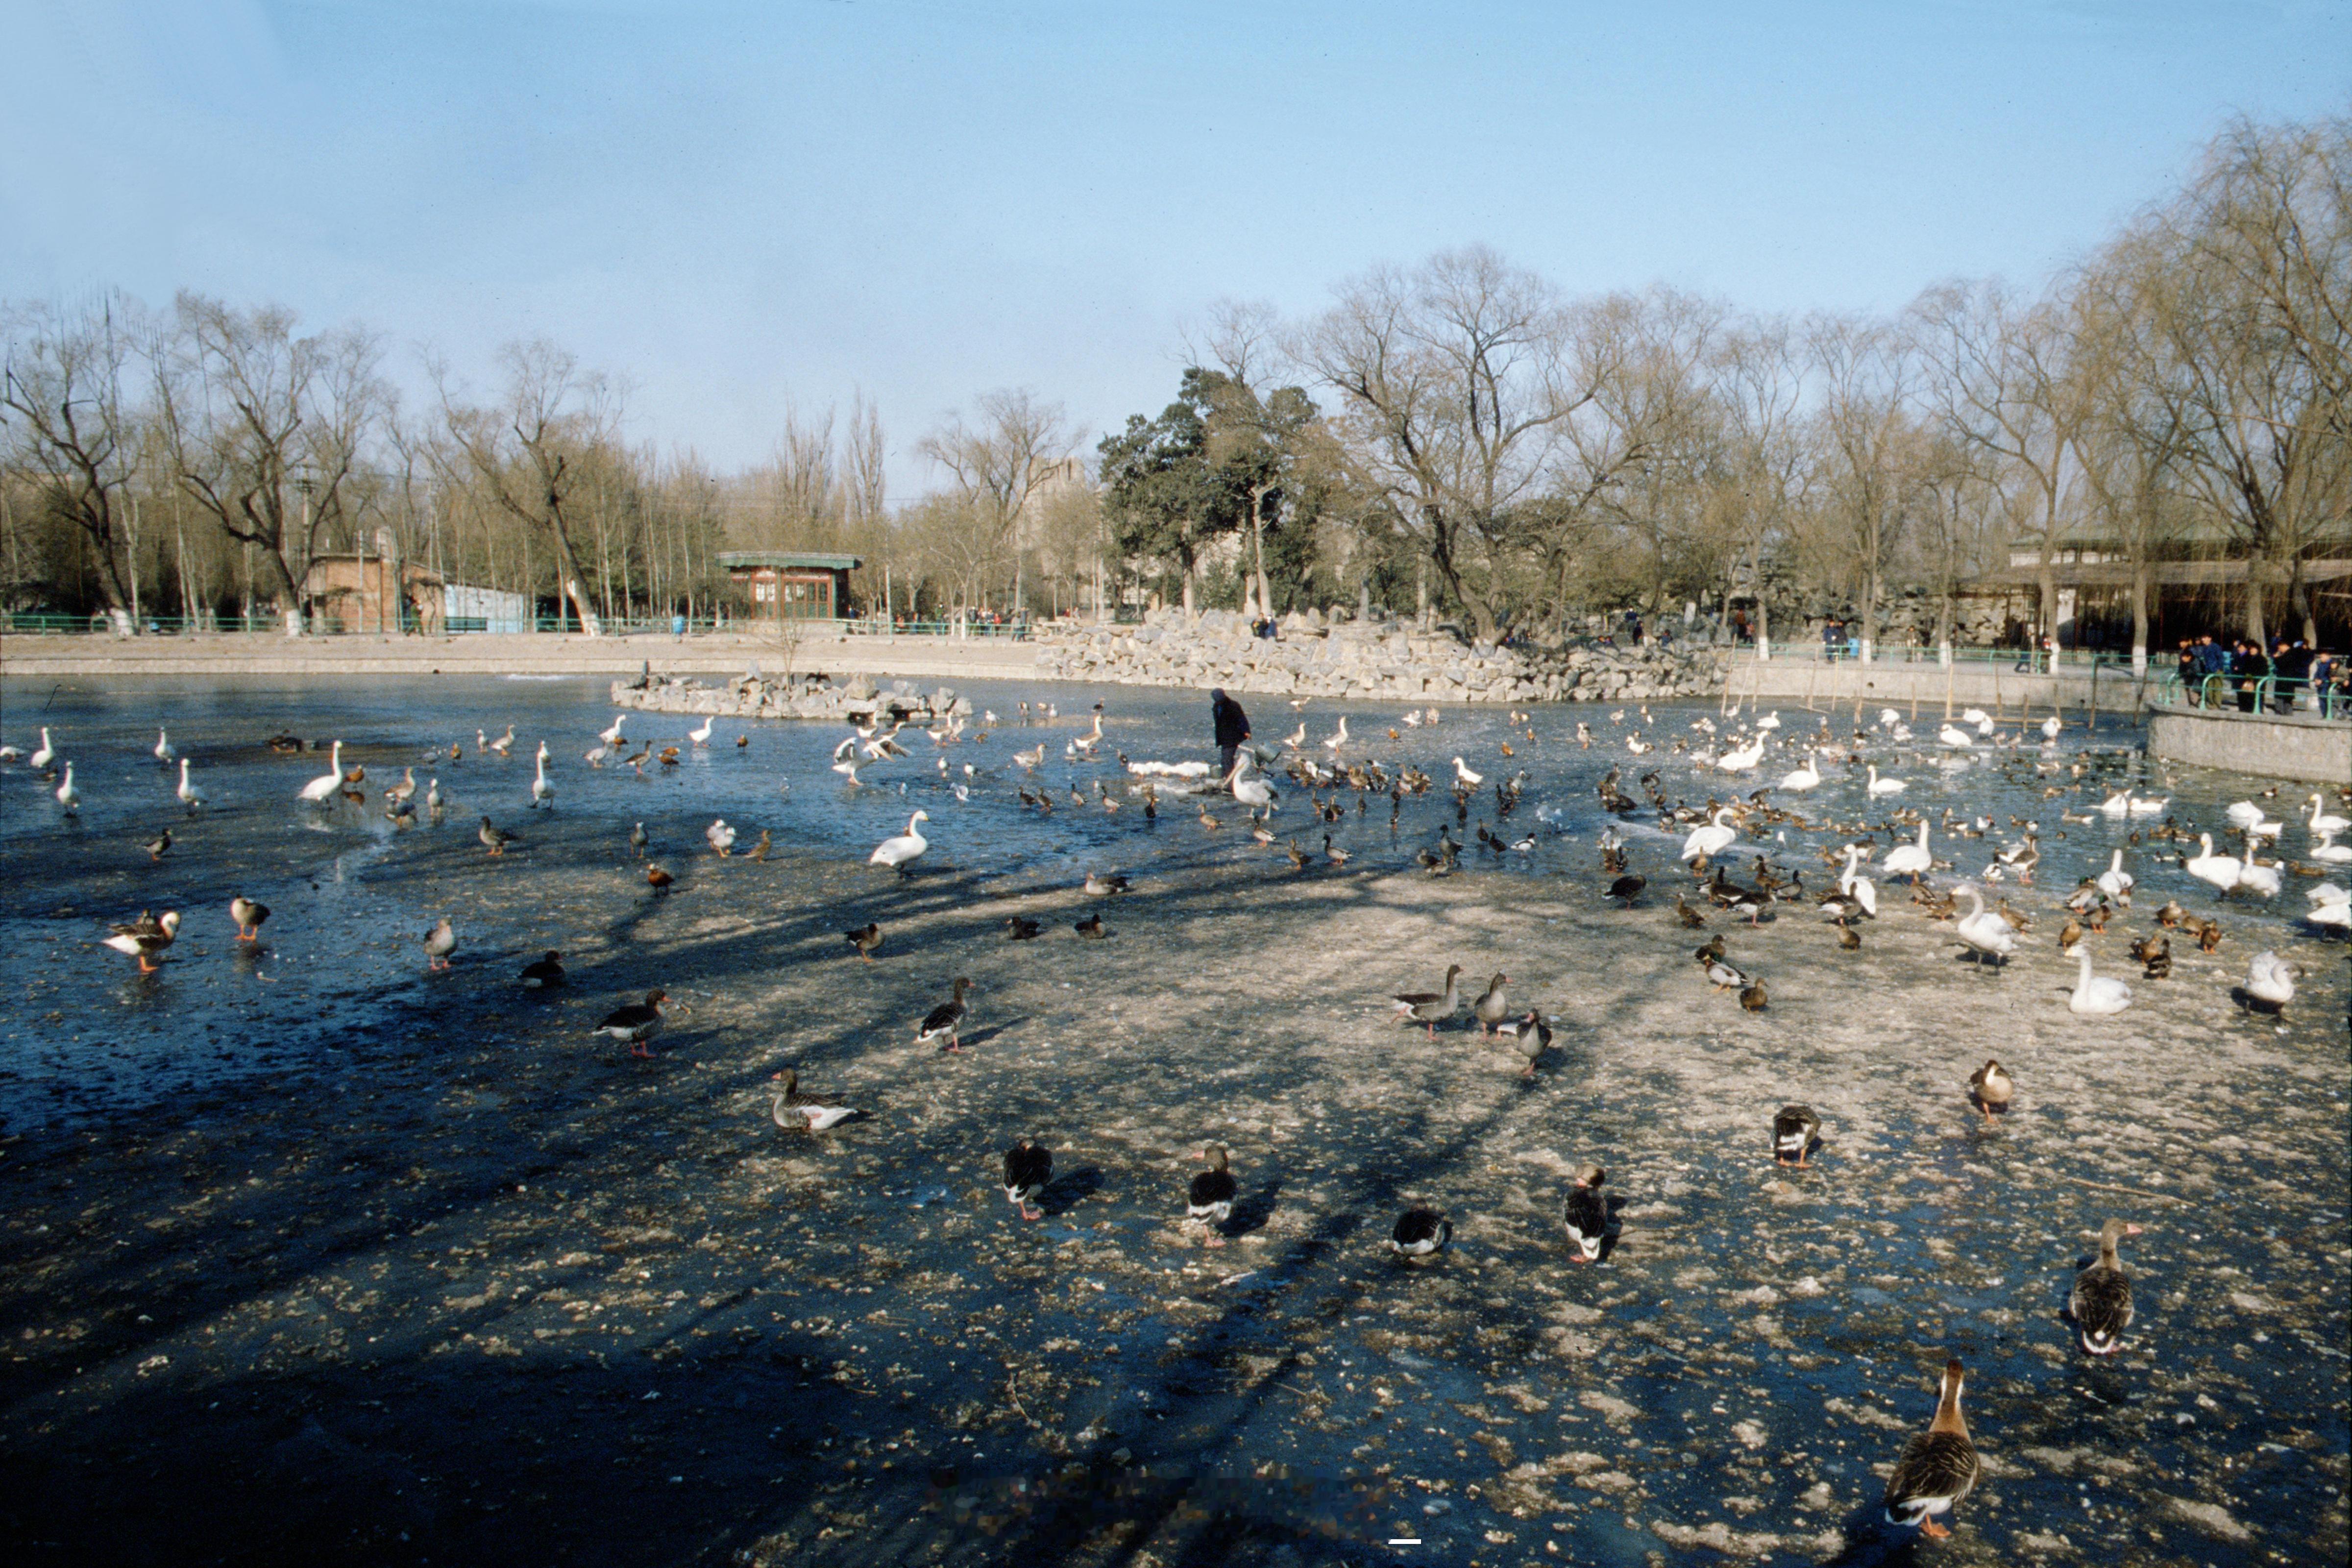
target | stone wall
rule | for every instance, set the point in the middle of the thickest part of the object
(2282, 746)
(856, 700)
(1369, 659)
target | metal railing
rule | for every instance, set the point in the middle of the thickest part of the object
(2223, 692)
(1015, 631)
(2026, 660)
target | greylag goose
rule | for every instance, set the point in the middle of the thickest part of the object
(1210, 1198)
(806, 1113)
(946, 1020)
(866, 938)
(1102, 886)
(543, 972)
(1494, 1004)
(1028, 1170)
(439, 943)
(1420, 1233)
(1531, 1035)
(2101, 1301)
(1794, 1129)
(1021, 927)
(1937, 1467)
(1991, 1088)
(248, 916)
(145, 938)
(495, 839)
(1092, 927)
(1587, 1214)
(638, 839)
(637, 1023)
(1427, 1008)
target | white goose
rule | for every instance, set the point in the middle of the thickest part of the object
(1298, 737)
(192, 798)
(2325, 826)
(69, 796)
(1884, 786)
(2050, 728)
(2117, 883)
(1340, 738)
(1464, 775)
(899, 852)
(1985, 934)
(1911, 860)
(612, 737)
(324, 786)
(702, 737)
(1713, 838)
(2095, 996)
(41, 759)
(1805, 775)
(541, 792)
(2270, 979)
(2218, 871)
(163, 753)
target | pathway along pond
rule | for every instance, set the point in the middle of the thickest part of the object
(311, 1255)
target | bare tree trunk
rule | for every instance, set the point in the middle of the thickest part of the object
(2139, 617)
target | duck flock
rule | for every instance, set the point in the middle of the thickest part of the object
(1730, 843)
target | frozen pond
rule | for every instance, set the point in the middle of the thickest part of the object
(423, 1235)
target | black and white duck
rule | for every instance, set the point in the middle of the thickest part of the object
(1937, 1467)
(1991, 1090)
(544, 972)
(1210, 1198)
(248, 914)
(1794, 1128)
(795, 1111)
(946, 1020)
(636, 1023)
(1587, 1214)
(1427, 1008)
(146, 938)
(1028, 1170)
(1021, 927)
(864, 939)
(1421, 1233)
(2101, 1301)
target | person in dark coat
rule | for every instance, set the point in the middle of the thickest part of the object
(1232, 727)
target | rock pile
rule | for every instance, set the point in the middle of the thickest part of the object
(857, 700)
(1382, 659)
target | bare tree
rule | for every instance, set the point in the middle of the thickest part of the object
(997, 462)
(62, 393)
(1862, 426)
(1760, 393)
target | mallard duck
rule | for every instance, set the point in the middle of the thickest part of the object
(145, 938)
(1092, 927)
(1991, 1088)
(946, 1020)
(760, 851)
(866, 938)
(1725, 977)
(636, 1023)
(1690, 917)
(1421, 1233)
(1627, 889)
(1937, 1467)
(1028, 1171)
(543, 972)
(439, 943)
(1210, 1198)
(1753, 996)
(1426, 1007)
(1021, 927)
(2101, 1301)
(1708, 952)
(1795, 1129)
(1586, 1214)
(1493, 1005)
(248, 916)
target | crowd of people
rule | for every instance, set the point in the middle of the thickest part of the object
(2292, 666)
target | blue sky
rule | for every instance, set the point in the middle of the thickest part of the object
(742, 205)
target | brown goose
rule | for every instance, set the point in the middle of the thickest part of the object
(1991, 1088)
(1794, 1128)
(945, 1020)
(2101, 1301)
(1587, 1214)
(146, 937)
(796, 1112)
(1939, 1467)
(1028, 1170)
(1493, 1005)
(1531, 1035)
(637, 1023)
(1210, 1198)
(1427, 1008)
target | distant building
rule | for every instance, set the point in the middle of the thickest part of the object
(471, 609)
(356, 592)
(2194, 586)
(791, 585)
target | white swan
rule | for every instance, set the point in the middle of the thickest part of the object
(2118, 804)
(1340, 738)
(1985, 934)
(2050, 728)
(1464, 775)
(2220, 871)
(1953, 735)
(2117, 883)
(163, 753)
(40, 760)
(2330, 852)
(1712, 839)
(2330, 906)
(2243, 814)
(2256, 876)
(1888, 718)
(2270, 979)
(2141, 805)
(1974, 716)
(69, 796)
(2325, 826)
(1805, 775)
(1910, 860)
(191, 798)
(324, 786)
(2096, 997)
(1884, 786)
(1984, 725)
(899, 851)
(1855, 886)
(541, 792)
(1739, 759)
(1249, 786)
(1770, 722)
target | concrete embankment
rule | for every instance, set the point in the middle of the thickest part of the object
(1995, 686)
(831, 652)
(2280, 745)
